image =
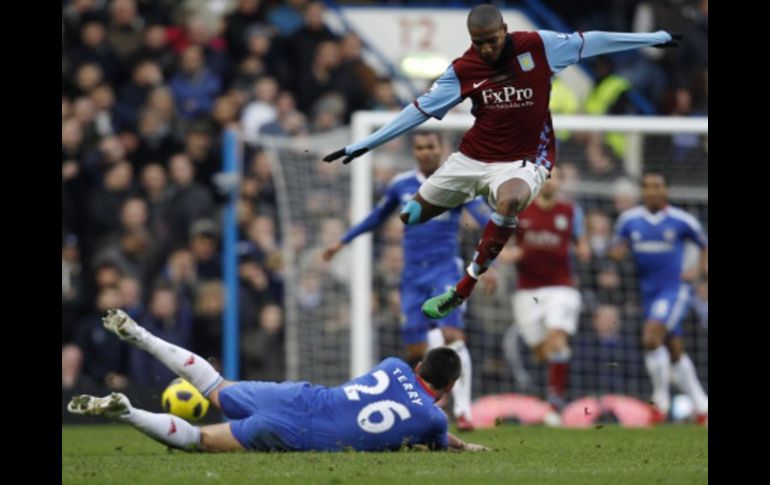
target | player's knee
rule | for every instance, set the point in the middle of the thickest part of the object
(509, 205)
(411, 213)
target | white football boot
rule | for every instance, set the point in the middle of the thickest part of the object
(112, 406)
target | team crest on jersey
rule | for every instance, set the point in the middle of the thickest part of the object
(560, 222)
(669, 235)
(635, 235)
(526, 62)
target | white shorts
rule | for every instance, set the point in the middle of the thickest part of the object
(539, 310)
(461, 179)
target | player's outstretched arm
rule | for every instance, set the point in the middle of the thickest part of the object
(407, 119)
(563, 50)
(443, 95)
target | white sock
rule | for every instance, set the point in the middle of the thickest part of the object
(169, 430)
(658, 363)
(461, 393)
(684, 376)
(183, 363)
(435, 338)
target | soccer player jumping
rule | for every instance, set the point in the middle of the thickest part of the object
(509, 152)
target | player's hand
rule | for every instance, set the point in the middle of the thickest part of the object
(474, 447)
(341, 152)
(691, 274)
(330, 251)
(674, 42)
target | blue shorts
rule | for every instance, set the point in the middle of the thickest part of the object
(669, 306)
(268, 415)
(419, 283)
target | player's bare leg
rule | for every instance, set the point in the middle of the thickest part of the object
(165, 428)
(684, 376)
(219, 437)
(512, 196)
(182, 362)
(658, 362)
(419, 210)
(557, 353)
(462, 390)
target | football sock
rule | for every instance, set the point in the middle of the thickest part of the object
(684, 376)
(461, 392)
(166, 428)
(496, 233)
(183, 363)
(658, 363)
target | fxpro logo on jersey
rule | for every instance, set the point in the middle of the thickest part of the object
(508, 97)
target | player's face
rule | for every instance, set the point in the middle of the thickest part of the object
(654, 192)
(427, 152)
(489, 41)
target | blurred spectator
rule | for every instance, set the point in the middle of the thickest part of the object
(207, 327)
(288, 121)
(261, 110)
(125, 29)
(384, 97)
(72, 286)
(202, 150)
(169, 319)
(247, 13)
(105, 201)
(95, 48)
(132, 96)
(300, 48)
(204, 239)
(180, 272)
(189, 201)
(131, 298)
(287, 17)
(194, 86)
(155, 47)
(262, 346)
(104, 356)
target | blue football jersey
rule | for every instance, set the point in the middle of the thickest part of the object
(381, 410)
(433, 240)
(657, 242)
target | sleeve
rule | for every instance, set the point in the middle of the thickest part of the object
(443, 95)
(621, 231)
(563, 50)
(384, 208)
(407, 119)
(694, 231)
(437, 438)
(479, 210)
(578, 222)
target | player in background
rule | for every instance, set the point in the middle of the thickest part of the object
(432, 266)
(510, 149)
(655, 233)
(385, 409)
(546, 304)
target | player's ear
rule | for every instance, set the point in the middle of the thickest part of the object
(505, 27)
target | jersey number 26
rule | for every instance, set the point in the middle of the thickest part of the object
(386, 408)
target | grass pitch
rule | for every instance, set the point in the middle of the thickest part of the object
(676, 454)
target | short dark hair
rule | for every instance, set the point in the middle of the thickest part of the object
(440, 367)
(483, 16)
(417, 133)
(654, 173)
